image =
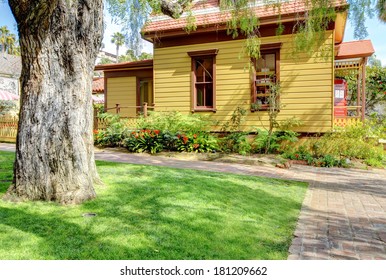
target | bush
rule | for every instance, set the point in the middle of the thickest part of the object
(276, 139)
(116, 130)
(174, 122)
(359, 141)
(144, 141)
(236, 142)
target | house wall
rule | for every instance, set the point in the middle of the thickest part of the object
(122, 91)
(9, 84)
(306, 81)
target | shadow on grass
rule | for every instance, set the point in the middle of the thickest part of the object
(147, 212)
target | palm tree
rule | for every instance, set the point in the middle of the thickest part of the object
(118, 39)
(10, 43)
(4, 32)
(381, 8)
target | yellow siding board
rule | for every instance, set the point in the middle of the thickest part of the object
(122, 91)
(306, 83)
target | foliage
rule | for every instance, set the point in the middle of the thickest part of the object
(8, 42)
(359, 141)
(105, 60)
(174, 122)
(114, 134)
(260, 143)
(118, 39)
(196, 142)
(132, 15)
(156, 213)
(381, 9)
(130, 56)
(235, 121)
(375, 86)
(144, 141)
(236, 142)
(273, 110)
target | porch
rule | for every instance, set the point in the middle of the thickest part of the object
(349, 98)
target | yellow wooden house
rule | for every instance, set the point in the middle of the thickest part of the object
(208, 72)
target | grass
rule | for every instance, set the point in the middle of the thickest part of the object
(147, 212)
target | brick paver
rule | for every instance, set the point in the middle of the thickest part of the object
(343, 215)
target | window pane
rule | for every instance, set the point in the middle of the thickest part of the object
(266, 63)
(204, 70)
(209, 95)
(204, 97)
(200, 98)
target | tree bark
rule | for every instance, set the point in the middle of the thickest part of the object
(174, 8)
(59, 41)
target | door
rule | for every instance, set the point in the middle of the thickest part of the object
(145, 93)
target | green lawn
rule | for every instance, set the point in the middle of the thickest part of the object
(146, 212)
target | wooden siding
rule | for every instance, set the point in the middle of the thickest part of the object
(122, 91)
(306, 81)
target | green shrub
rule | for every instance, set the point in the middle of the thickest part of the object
(114, 133)
(236, 142)
(144, 141)
(260, 142)
(359, 141)
(174, 122)
(197, 142)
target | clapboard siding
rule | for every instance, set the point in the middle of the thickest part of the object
(306, 81)
(122, 91)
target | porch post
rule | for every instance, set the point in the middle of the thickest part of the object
(359, 78)
(364, 88)
(144, 109)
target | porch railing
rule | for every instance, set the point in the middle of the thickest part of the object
(8, 128)
(353, 116)
(131, 121)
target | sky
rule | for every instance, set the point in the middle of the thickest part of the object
(376, 29)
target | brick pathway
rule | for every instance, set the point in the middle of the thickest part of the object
(343, 214)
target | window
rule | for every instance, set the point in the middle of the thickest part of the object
(203, 80)
(266, 73)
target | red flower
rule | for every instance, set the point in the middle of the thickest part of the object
(156, 131)
(185, 139)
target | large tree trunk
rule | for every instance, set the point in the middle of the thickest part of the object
(54, 152)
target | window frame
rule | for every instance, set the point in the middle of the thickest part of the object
(264, 50)
(195, 55)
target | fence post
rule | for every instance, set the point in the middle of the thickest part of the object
(117, 109)
(145, 110)
(95, 119)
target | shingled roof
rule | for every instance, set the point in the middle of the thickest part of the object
(207, 13)
(10, 65)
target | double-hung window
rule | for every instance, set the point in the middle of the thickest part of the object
(203, 80)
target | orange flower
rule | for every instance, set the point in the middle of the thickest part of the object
(95, 131)
(185, 139)
(196, 146)
(194, 136)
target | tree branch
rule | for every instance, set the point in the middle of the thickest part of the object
(173, 8)
(32, 12)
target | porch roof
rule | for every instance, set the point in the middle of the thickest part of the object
(354, 49)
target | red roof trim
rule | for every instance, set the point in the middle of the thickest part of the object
(148, 63)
